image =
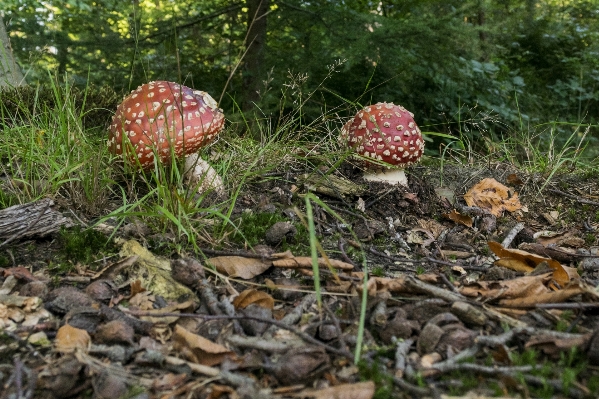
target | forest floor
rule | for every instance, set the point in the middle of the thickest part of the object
(452, 310)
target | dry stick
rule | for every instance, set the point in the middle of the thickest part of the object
(379, 313)
(337, 325)
(277, 323)
(341, 246)
(413, 389)
(482, 369)
(448, 283)
(401, 353)
(259, 343)
(295, 315)
(424, 260)
(19, 233)
(567, 305)
(339, 209)
(432, 290)
(512, 234)
(574, 197)
(380, 197)
(244, 254)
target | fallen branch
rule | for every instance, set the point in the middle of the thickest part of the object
(28, 220)
(299, 333)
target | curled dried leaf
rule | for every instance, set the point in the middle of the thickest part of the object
(255, 297)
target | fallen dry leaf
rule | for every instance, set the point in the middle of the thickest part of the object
(459, 218)
(68, 339)
(252, 296)
(156, 315)
(523, 261)
(238, 266)
(520, 287)
(360, 390)
(198, 349)
(431, 225)
(514, 180)
(572, 289)
(554, 345)
(568, 239)
(136, 288)
(493, 196)
(514, 264)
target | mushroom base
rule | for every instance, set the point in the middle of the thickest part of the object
(199, 173)
(389, 176)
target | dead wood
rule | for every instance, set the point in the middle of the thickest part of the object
(38, 218)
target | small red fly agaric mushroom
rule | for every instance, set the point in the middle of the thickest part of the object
(387, 133)
(161, 119)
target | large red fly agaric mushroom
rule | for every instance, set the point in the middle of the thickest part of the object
(162, 119)
(387, 133)
(162, 114)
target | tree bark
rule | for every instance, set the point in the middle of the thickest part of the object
(10, 73)
(255, 48)
(37, 218)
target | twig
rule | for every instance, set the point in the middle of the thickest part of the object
(421, 286)
(402, 351)
(337, 325)
(295, 315)
(244, 254)
(379, 314)
(567, 305)
(481, 369)
(380, 197)
(448, 283)
(277, 323)
(512, 234)
(339, 209)
(341, 246)
(259, 343)
(574, 197)
(208, 297)
(413, 389)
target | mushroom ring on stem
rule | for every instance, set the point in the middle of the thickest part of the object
(161, 120)
(387, 133)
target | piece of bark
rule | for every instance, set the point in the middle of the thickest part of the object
(38, 218)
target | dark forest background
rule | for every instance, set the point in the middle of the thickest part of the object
(463, 67)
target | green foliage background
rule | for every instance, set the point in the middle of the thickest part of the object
(467, 66)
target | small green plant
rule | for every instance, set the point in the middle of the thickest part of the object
(590, 239)
(77, 245)
(420, 270)
(374, 371)
(378, 271)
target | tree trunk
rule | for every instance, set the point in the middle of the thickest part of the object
(254, 56)
(10, 73)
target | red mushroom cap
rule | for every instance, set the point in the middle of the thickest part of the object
(385, 132)
(158, 114)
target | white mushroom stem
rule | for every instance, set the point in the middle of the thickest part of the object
(198, 173)
(390, 176)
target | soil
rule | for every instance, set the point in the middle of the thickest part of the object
(425, 333)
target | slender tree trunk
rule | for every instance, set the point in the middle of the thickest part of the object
(10, 73)
(253, 66)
